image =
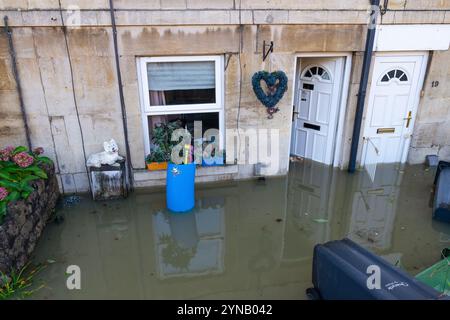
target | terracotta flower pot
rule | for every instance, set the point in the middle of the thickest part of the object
(154, 166)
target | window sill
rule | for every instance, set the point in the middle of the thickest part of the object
(141, 176)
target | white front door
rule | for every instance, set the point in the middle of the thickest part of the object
(316, 108)
(391, 109)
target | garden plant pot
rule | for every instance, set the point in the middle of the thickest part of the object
(155, 166)
(212, 161)
(180, 187)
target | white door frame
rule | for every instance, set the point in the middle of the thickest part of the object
(416, 95)
(337, 161)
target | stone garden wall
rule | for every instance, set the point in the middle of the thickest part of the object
(24, 222)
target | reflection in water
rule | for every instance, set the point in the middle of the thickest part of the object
(309, 198)
(190, 244)
(247, 239)
(374, 206)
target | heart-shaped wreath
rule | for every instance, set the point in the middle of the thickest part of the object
(276, 85)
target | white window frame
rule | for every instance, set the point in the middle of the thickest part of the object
(148, 110)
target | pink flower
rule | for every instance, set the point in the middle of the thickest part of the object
(23, 159)
(37, 151)
(5, 154)
(3, 193)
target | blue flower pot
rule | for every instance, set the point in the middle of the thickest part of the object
(212, 161)
(180, 187)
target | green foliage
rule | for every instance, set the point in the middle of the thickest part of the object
(175, 255)
(16, 180)
(161, 140)
(19, 149)
(18, 284)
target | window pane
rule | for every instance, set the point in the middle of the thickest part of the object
(391, 74)
(207, 120)
(194, 96)
(174, 83)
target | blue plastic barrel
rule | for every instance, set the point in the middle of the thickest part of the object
(180, 187)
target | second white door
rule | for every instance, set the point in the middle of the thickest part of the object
(316, 108)
(391, 109)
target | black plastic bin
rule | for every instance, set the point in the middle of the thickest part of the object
(441, 203)
(340, 273)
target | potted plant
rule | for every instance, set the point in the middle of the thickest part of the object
(161, 145)
(157, 160)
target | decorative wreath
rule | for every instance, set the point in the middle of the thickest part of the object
(276, 84)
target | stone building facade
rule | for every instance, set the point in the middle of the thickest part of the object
(66, 64)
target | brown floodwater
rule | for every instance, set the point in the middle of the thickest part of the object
(244, 240)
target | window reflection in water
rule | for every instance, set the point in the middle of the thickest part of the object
(191, 244)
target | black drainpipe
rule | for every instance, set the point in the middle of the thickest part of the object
(363, 84)
(12, 53)
(122, 100)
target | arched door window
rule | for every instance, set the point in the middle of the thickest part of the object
(394, 74)
(316, 72)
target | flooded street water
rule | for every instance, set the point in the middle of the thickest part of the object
(244, 240)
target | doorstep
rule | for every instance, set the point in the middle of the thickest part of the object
(144, 178)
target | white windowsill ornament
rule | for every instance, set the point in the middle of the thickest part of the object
(108, 157)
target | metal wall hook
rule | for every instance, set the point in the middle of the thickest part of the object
(384, 8)
(266, 53)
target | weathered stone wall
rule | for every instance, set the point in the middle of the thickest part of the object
(71, 92)
(25, 221)
(170, 12)
(432, 128)
(53, 109)
(245, 59)
(11, 125)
